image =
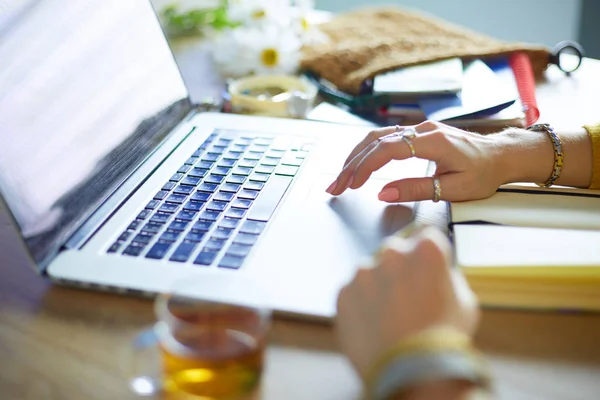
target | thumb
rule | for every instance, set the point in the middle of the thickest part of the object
(415, 189)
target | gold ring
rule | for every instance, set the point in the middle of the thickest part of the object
(437, 190)
(410, 144)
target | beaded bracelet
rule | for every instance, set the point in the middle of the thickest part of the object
(558, 153)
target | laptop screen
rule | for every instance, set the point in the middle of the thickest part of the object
(87, 90)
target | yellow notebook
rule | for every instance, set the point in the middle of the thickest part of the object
(530, 247)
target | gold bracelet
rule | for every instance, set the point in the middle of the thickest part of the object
(558, 152)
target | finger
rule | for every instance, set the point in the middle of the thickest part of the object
(344, 179)
(418, 189)
(427, 146)
(370, 138)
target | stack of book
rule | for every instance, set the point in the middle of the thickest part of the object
(528, 247)
(473, 94)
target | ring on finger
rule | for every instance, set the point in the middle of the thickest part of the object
(437, 189)
(409, 142)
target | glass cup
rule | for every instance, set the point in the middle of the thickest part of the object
(208, 342)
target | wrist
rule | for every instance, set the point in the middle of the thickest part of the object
(524, 156)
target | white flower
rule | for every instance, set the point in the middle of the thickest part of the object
(260, 12)
(258, 50)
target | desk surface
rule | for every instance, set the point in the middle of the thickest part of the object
(60, 343)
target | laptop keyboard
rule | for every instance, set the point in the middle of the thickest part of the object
(215, 206)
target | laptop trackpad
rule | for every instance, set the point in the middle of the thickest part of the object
(316, 241)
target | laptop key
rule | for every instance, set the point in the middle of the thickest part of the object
(217, 206)
(190, 181)
(152, 204)
(161, 195)
(200, 196)
(114, 247)
(221, 171)
(158, 251)
(193, 206)
(230, 187)
(211, 157)
(242, 171)
(134, 225)
(169, 186)
(270, 196)
(286, 170)
(151, 228)
(245, 238)
(189, 161)
(247, 163)
(231, 262)
(210, 215)
(178, 226)
(212, 178)
(270, 161)
(214, 244)
(124, 236)
(195, 237)
(169, 237)
(142, 239)
(226, 163)
(247, 194)
(229, 223)
(198, 153)
(236, 179)
(205, 258)
(253, 227)
(176, 177)
(256, 177)
(205, 164)
(186, 215)
(160, 218)
(265, 169)
(241, 203)
(202, 226)
(132, 250)
(223, 196)
(183, 251)
(207, 187)
(198, 172)
(238, 250)
(176, 198)
(185, 168)
(184, 189)
(233, 155)
(291, 161)
(254, 185)
(168, 208)
(144, 214)
(235, 213)
(221, 233)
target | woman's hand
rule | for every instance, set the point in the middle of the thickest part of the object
(411, 288)
(467, 163)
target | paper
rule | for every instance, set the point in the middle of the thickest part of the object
(436, 77)
(483, 93)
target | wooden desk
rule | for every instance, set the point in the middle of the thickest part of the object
(66, 344)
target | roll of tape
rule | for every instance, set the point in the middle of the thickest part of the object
(272, 95)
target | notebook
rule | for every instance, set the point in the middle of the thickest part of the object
(530, 247)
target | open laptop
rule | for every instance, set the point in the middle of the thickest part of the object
(115, 183)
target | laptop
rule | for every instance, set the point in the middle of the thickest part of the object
(115, 183)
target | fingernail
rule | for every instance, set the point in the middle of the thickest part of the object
(389, 194)
(350, 182)
(331, 187)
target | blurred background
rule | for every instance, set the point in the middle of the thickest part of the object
(535, 21)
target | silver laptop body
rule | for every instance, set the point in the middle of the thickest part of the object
(115, 183)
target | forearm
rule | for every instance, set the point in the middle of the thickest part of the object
(527, 156)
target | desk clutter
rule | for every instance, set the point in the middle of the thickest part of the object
(393, 66)
(530, 247)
